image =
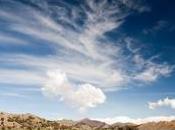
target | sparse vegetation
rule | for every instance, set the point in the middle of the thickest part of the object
(31, 122)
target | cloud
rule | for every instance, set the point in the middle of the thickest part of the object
(167, 102)
(82, 96)
(153, 72)
(20, 77)
(12, 94)
(88, 96)
(161, 25)
(137, 5)
(125, 119)
(6, 39)
(88, 60)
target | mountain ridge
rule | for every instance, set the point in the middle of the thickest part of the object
(29, 121)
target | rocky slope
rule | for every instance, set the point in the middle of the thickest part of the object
(163, 125)
(32, 122)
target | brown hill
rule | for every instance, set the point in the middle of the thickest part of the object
(22, 121)
(124, 126)
(163, 125)
(32, 122)
(91, 123)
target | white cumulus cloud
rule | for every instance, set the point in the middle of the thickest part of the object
(82, 96)
(167, 102)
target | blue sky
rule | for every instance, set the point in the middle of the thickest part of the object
(108, 59)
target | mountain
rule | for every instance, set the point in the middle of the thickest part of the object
(67, 122)
(31, 122)
(163, 125)
(124, 126)
(21, 121)
(91, 123)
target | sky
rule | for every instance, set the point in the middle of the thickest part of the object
(111, 60)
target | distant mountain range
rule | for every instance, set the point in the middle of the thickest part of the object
(32, 122)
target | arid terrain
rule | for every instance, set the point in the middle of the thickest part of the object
(32, 122)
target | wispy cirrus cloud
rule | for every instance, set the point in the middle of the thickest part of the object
(12, 94)
(159, 26)
(7, 39)
(87, 58)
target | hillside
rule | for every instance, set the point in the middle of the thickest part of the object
(32, 122)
